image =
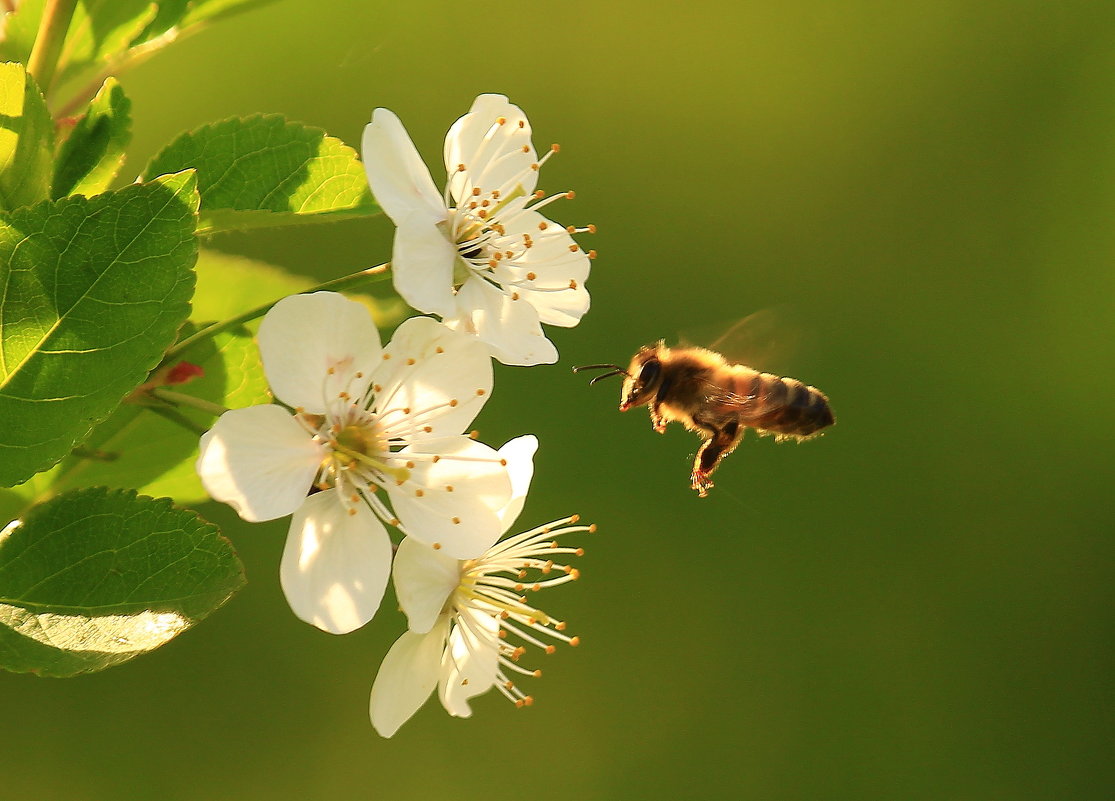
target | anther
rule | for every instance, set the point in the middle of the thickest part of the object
(410, 362)
(483, 215)
(427, 429)
(534, 166)
(418, 493)
(476, 191)
(574, 248)
(531, 276)
(526, 149)
(501, 120)
(480, 392)
(592, 529)
(359, 374)
(560, 625)
(575, 641)
(514, 296)
(436, 546)
(473, 434)
(448, 487)
(504, 614)
(538, 194)
(460, 168)
(592, 254)
(522, 123)
(570, 195)
(406, 410)
(503, 463)
(410, 465)
(352, 512)
(452, 401)
(541, 226)
(551, 649)
(386, 356)
(377, 387)
(485, 203)
(439, 349)
(393, 521)
(572, 284)
(343, 395)
(456, 521)
(537, 673)
(591, 228)
(579, 552)
(554, 148)
(436, 459)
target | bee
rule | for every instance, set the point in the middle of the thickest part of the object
(717, 399)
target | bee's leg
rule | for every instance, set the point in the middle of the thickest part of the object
(656, 419)
(722, 441)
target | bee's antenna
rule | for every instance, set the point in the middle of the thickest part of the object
(614, 369)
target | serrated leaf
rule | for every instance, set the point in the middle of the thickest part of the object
(264, 171)
(92, 292)
(135, 447)
(26, 140)
(94, 151)
(96, 577)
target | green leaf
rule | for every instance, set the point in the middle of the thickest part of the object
(26, 140)
(20, 29)
(92, 292)
(94, 152)
(264, 171)
(100, 31)
(96, 577)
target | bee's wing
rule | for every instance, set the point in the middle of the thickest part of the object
(765, 340)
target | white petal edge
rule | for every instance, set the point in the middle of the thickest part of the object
(436, 378)
(335, 565)
(519, 453)
(470, 663)
(509, 327)
(463, 521)
(406, 677)
(259, 461)
(422, 264)
(305, 336)
(424, 580)
(398, 178)
(492, 153)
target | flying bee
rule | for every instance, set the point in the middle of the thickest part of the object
(719, 400)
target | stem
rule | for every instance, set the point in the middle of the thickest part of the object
(370, 275)
(181, 399)
(48, 42)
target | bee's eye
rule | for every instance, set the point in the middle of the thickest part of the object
(649, 372)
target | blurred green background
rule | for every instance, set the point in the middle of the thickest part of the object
(916, 606)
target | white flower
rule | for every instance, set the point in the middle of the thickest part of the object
(480, 255)
(364, 419)
(469, 623)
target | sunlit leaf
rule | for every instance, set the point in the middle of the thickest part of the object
(96, 577)
(264, 171)
(94, 151)
(92, 292)
(212, 10)
(26, 140)
(102, 30)
(21, 26)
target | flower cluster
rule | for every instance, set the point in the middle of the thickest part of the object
(365, 438)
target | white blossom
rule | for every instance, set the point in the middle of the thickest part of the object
(480, 255)
(470, 623)
(377, 432)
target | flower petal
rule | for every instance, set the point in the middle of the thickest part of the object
(551, 274)
(519, 454)
(305, 336)
(470, 663)
(424, 580)
(407, 676)
(509, 327)
(435, 378)
(491, 151)
(335, 564)
(398, 178)
(422, 264)
(259, 461)
(452, 502)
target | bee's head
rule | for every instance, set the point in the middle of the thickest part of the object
(644, 377)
